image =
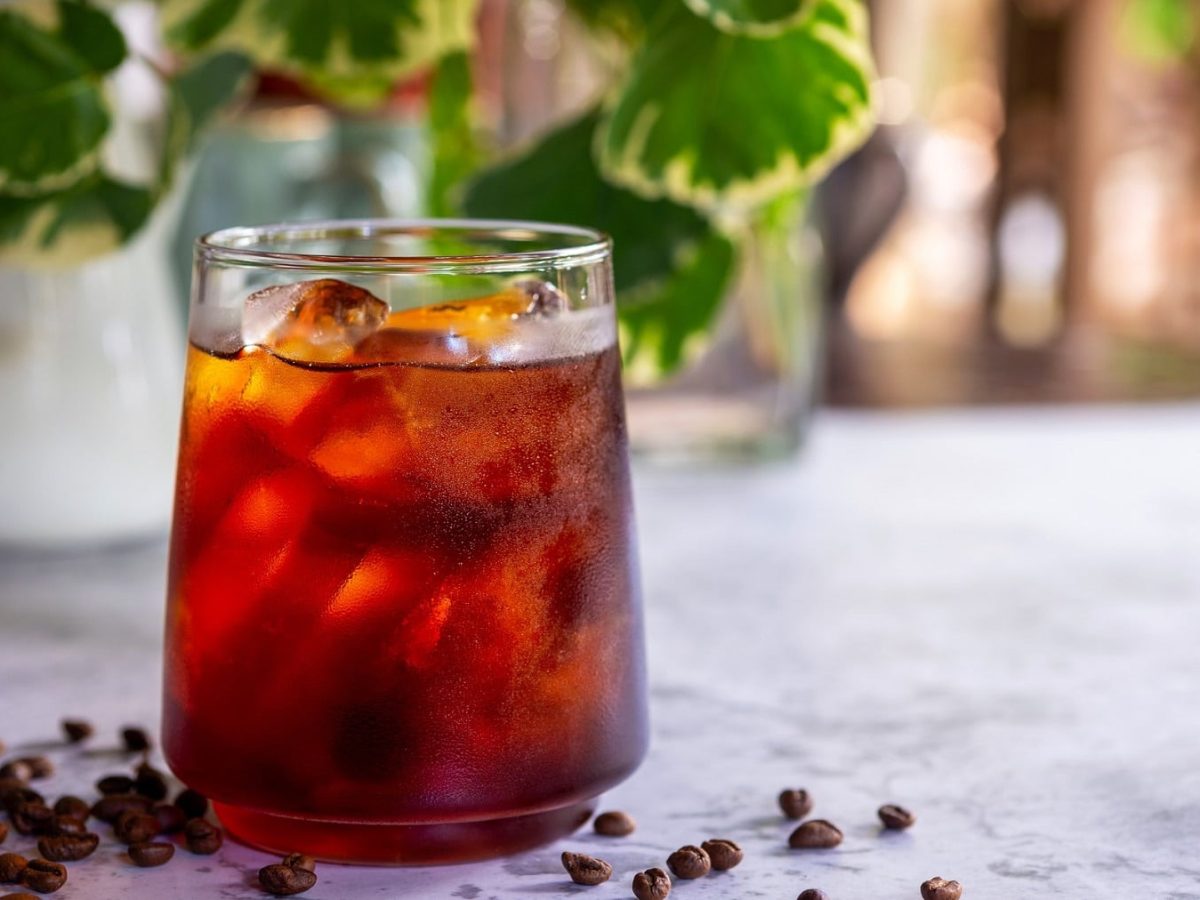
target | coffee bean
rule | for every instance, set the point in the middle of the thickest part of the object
(795, 803)
(202, 837)
(149, 854)
(39, 766)
(3, 832)
(815, 834)
(170, 818)
(653, 884)
(11, 867)
(724, 854)
(107, 809)
(31, 817)
(300, 861)
(44, 876)
(18, 769)
(135, 827)
(77, 730)
(10, 785)
(614, 824)
(689, 862)
(193, 803)
(68, 847)
(22, 895)
(813, 894)
(66, 825)
(150, 782)
(115, 784)
(3, 747)
(18, 797)
(74, 807)
(586, 869)
(939, 888)
(896, 818)
(135, 739)
(284, 880)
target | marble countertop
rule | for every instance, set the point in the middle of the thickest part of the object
(989, 617)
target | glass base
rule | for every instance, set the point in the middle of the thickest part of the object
(383, 844)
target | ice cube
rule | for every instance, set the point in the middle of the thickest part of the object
(544, 298)
(312, 321)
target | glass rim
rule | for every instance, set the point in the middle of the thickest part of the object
(249, 245)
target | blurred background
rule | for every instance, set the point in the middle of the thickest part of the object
(1022, 225)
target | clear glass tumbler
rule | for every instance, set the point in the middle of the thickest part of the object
(404, 622)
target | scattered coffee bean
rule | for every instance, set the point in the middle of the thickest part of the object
(300, 861)
(135, 739)
(20, 896)
(72, 806)
(149, 854)
(39, 766)
(815, 834)
(18, 769)
(11, 867)
(653, 884)
(115, 784)
(795, 803)
(284, 880)
(896, 818)
(614, 824)
(135, 827)
(586, 869)
(68, 847)
(66, 825)
(689, 862)
(202, 837)
(107, 809)
(31, 817)
(44, 876)
(724, 854)
(77, 730)
(939, 888)
(18, 797)
(170, 818)
(150, 782)
(3, 832)
(813, 894)
(10, 785)
(193, 803)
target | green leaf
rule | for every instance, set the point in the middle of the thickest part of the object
(455, 154)
(67, 227)
(195, 95)
(557, 180)
(52, 110)
(659, 326)
(1160, 31)
(757, 119)
(627, 18)
(760, 18)
(351, 50)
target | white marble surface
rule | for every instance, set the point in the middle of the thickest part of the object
(991, 617)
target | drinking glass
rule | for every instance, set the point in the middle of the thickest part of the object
(404, 621)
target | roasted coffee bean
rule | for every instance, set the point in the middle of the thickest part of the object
(653, 884)
(115, 784)
(813, 894)
(795, 803)
(170, 818)
(135, 739)
(202, 837)
(22, 895)
(107, 809)
(18, 769)
(9, 785)
(283, 881)
(614, 824)
(40, 766)
(31, 817)
(689, 862)
(586, 869)
(300, 861)
(724, 854)
(815, 834)
(11, 867)
(939, 888)
(149, 854)
(68, 847)
(44, 876)
(72, 806)
(150, 782)
(66, 825)
(193, 803)
(135, 827)
(18, 797)
(896, 818)
(3, 831)
(77, 730)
